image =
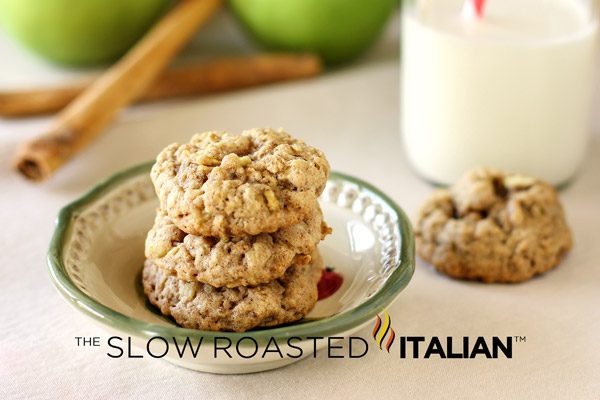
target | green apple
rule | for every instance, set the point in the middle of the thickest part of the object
(338, 30)
(79, 32)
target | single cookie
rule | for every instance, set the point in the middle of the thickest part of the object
(235, 261)
(493, 227)
(200, 306)
(220, 184)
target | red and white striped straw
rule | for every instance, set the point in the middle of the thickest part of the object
(478, 5)
(473, 8)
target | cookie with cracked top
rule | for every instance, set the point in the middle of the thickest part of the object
(221, 184)
(197, 305)
(234, 261)
(493, 227)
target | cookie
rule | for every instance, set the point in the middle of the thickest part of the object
(235, 261)
(493, 227)
(220, 184)
(200, 306)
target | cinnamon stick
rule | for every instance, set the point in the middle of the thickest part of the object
(209, 77)
(84, 118)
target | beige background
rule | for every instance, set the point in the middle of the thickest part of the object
(352, 114)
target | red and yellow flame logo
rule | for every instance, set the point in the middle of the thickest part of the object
(381, 330)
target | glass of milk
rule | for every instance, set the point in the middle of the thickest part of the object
(512, 89)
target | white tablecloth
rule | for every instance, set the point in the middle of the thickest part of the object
(352, 114)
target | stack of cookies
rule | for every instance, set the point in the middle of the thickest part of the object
(234, 242)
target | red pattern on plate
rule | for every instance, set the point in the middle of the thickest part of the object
(329, 283)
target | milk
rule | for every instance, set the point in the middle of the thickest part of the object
(512, 90)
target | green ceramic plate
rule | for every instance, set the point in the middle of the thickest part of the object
(96, 255)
